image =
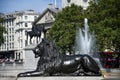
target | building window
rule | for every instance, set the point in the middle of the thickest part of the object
(85, 0)
(26, 17)
(25, 33)
(20, 17)
(5, 46)
(68, 1)
(26, 25)
(26, 43)
(35, 17)
(21, 25)
(21, 45)
(7, 25)
(2, 47)
(5, 38)
(12, 37)
(12, 45)
(10, 23)
(12, 30)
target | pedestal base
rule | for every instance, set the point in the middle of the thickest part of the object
(62, 78)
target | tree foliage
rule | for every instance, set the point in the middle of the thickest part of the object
(104, 19)
(2, 30)
(64, 29)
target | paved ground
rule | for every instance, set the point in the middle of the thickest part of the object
(8, 78)
(51, 78)
(111, 79)
(111, 74)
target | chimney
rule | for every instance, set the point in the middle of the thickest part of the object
(57, 8)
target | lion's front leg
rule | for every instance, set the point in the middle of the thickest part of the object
(31, 74)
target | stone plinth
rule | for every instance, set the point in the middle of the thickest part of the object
(8, 78)
(62, 78)
(111, 79)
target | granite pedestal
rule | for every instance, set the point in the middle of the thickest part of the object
(61, 78)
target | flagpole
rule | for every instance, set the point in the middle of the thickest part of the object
(55, 4)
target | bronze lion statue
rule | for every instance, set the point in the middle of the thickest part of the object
(52, 63)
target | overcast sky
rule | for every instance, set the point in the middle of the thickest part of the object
(8, 6)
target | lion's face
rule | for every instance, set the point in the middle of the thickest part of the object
(39, 50)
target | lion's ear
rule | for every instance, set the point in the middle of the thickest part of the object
(47, 44)
(42, 39)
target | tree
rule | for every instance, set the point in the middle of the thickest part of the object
(64, 29)
(2, 30)
(104, 20)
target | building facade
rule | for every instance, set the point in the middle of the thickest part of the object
(17, 24)
(83, 3)
(46, 19)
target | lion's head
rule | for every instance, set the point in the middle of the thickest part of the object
(45, 48)
(48, 53)
(39, 49)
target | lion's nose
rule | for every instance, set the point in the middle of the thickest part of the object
(33, 50)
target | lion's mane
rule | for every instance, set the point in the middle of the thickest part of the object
(50, 57)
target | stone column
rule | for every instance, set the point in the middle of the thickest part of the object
(15, 55)
(23, 38)
(42, 35)
(28, 40)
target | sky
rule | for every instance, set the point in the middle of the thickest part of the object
(9, 6)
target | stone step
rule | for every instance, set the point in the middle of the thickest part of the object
(61, 78)
(111, 79)
(51, 78)
(114, 74)
(8, 78)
